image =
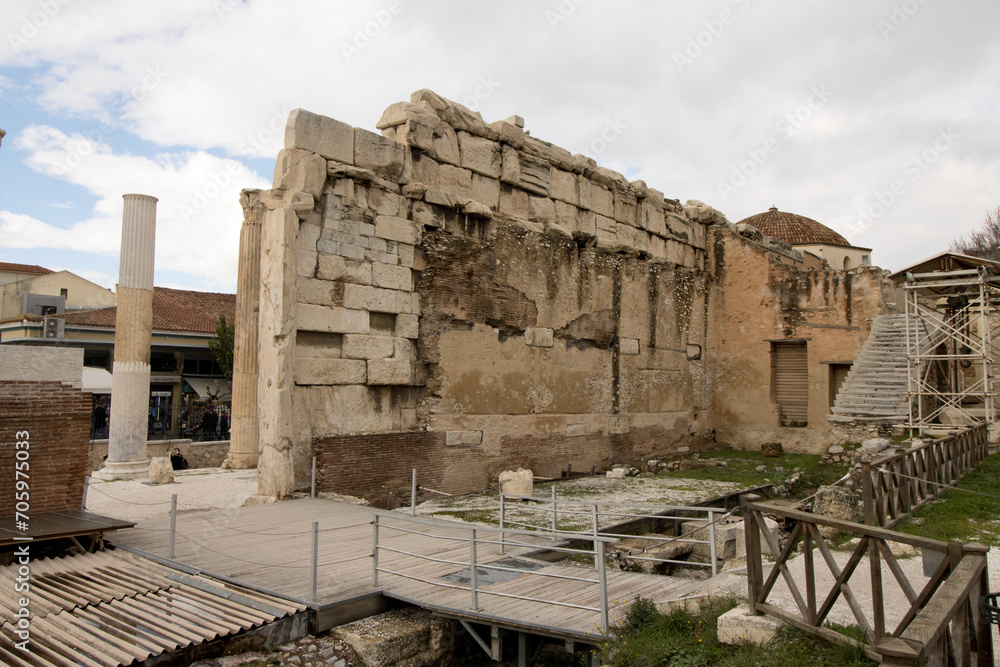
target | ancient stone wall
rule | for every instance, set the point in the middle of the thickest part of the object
(462, 298)
(471, 280)
(760, 298)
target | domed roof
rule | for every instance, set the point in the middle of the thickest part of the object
(795, 229)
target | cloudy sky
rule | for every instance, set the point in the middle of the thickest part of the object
(878, 118)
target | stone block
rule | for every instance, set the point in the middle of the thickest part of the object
(772, 450)
(408, 418)
(725, 537)
(772, 528)
(518, 482)
(402, 348)
(463, 438)
(380, 300)
(538, 336)
(602, 201)
(617, 473)
(328, 137)
(626, 208)
(575, 430)
(298, 170)
(392, 277)
(359, 346)
(160, 470)
(651, 218)
(479, 155)
(566, 216)
(737, 626)
(618, 423)
(541, 209)
(440, 197)
(311, 317)
(486, 190)
(320, 292)
(407, 326)
(405, 253)
(396, 229)
(514, 202)
(562, 186)
(322, 371)
(524, 171)
(375, 152)
(305, 263)
(586, 224)
(308, 236)
(335, 267)
(628, 345)
(390, 372)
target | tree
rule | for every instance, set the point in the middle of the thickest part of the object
(223, 345)
(983, 242)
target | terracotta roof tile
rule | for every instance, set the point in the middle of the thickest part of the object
(796, 229)
(24, 268)
(173, 310)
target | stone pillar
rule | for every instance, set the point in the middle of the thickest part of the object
(133, 331)
(243, 442)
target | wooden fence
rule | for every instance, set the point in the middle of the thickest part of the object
(942, 625)
(894, 486)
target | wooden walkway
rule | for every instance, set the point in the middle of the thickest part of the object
(69, 524)
(270, 547)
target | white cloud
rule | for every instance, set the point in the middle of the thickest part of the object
(198, 213)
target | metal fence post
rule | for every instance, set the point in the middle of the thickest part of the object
(555, 514)
(86, 487)
(602, 574)
(312, 488)
(593, 509)
(711, 536)
(375, 551)
(315, 556)
(503, 532)
(173, 522)
(413, 494)
(474, 575)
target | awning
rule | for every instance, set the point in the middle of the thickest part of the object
(96, 380)
(217, 389)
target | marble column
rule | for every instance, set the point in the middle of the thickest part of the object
(133, 331)
(243, 441)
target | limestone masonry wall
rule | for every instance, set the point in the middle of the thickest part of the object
(462, 297)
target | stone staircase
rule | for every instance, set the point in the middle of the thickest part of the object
(875, 387)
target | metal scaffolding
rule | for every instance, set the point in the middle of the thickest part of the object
(951, 358)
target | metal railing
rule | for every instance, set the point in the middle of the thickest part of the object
(942, 623)
(594, 510)
(475, 537)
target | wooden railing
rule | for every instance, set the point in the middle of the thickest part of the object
(894, 486)
(942, 623)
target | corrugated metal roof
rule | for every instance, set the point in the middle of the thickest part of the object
(118, 608)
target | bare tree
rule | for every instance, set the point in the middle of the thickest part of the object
(983, 242)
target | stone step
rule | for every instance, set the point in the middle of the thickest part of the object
(869, 412)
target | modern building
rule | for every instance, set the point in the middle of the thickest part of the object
(185, 376)
(806, 234)
(26, 288)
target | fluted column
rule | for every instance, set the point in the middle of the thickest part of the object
(243, 441)
(133, 332)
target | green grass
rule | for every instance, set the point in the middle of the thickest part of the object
(680, 638)
(741, 468)
(963, 516)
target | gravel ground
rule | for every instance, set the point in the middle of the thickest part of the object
(198, 489)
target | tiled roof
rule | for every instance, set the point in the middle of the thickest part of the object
(796, 229)
(23, 268)
(173, 310)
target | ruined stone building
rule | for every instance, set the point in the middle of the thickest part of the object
(461, 298)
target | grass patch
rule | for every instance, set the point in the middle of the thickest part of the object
(741, 468)
(681, 638)
(963, 516)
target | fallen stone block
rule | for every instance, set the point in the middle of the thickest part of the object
(736, 626)
(160, 470)
(538, 336)
(520, 482)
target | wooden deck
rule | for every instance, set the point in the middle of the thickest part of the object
(62, 524)
(270, 547)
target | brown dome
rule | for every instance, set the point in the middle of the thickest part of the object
(795, 229)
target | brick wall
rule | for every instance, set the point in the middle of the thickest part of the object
(57, 418)
(374, 464)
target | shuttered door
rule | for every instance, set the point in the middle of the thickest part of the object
(791, 383)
